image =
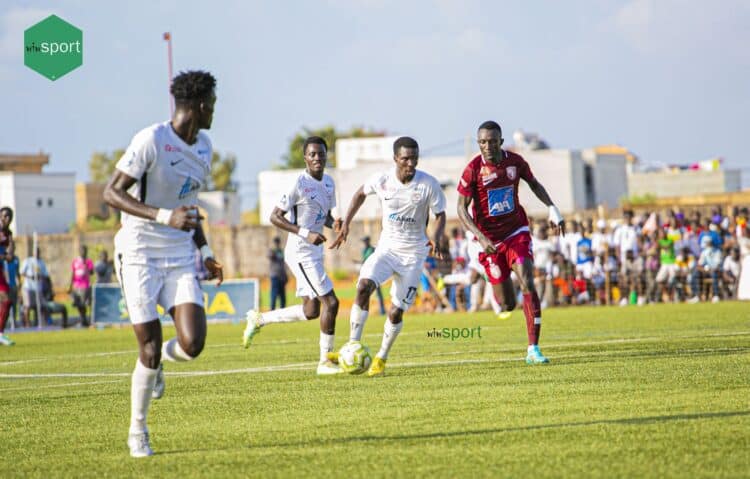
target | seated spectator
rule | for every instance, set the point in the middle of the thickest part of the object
(50, 306)
(710, 264)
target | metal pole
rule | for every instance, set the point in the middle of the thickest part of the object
(168, 38)
(39, 318)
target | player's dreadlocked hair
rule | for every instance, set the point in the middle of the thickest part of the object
(406, 142)
(192, 85)
(490, 125)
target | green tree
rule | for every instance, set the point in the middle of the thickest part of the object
(222, 171)
(102, 165)
(295, 158)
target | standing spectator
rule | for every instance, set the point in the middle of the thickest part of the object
(688, 276)
(710, 262)
(668, 269)
(103, 268)
(630, 277)
(626, 236)
(569, 242)
(543, 249)
(82, 269)
(277, 272)
(731, 270)
(7, 250)
(12, 267)
(33, 270)
(366, 252)
(600, 239)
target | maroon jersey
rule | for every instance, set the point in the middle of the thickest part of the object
(5, 239)
(494, 191)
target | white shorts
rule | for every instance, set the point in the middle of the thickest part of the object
(312, 280)
(405, 269)
(148, 282)
(667, 272)
(473, 249)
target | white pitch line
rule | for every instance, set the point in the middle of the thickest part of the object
(311, 365)
(64, 385)
(507, 348)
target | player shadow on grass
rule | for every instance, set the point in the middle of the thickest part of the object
(479, 432)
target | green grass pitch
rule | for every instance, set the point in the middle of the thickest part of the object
(655, 391)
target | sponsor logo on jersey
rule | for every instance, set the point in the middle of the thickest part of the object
(188, 187)
(511, 172)
(320, 217)
(416, 197)
(202, 152)
(500, 201)
(487, 175)
(172, 163)
(170, 148)
(397, 218)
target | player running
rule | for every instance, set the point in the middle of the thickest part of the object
(155, 185)
(406, 196)
(310, 200)
(490, 182)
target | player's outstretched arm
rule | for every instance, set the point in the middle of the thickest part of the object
(116, 195)
(555, 218)
(357, 200)
(468, 223)
(279, 220)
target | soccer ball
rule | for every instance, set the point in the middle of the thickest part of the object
(354, 358)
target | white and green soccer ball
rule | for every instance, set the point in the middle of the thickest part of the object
(354, 358)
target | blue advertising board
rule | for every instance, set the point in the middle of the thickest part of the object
(228, 302)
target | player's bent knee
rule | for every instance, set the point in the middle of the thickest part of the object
(150, 354)
(194, 347)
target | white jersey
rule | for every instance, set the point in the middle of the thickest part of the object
(170, 173)
(406, 209)
(309, 202)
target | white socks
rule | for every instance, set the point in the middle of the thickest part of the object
(390, 333)
(142, 385)
(291, 314)
(326, 345)
(172, 351)
(357, 320)
(474, 296)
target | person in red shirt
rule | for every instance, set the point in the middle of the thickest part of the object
(7, 250)
(489, 184)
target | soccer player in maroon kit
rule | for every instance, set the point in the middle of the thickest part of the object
(7, 248)
(490, 182)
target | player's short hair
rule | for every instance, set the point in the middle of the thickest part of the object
(314, 140)
(7, 209)
(405, 142)
(192, 85)
(490, 125)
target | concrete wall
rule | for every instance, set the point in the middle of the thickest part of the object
(683, 183)
(47, 201)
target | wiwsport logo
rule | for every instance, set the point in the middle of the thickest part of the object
(53, 47)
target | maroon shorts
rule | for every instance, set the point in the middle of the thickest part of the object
(515, 249)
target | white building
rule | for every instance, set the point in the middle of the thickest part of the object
(575, 179)
(44, 203)
(221, 207)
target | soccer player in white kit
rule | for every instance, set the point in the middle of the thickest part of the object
(155, 185)
(310, 201)
(406, 195)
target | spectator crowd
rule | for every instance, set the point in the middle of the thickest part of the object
(668, 256)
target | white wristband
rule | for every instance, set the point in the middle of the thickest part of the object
(206, 252)
(303, 232)
(163, 216)
(554, 215)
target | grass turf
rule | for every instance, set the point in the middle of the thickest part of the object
(657, 391)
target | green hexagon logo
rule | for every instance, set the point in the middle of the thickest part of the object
(53, 47)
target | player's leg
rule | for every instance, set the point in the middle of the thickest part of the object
(4, 314)
(376, 269)
(182, 297)
(532, 310)
(141, 284)
(403, 292)
(312, 281)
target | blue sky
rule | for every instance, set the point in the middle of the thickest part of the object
(669, 79)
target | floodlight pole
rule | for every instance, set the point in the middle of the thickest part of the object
(168, 38)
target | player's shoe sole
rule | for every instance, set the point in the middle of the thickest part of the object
(535, 356)
(377, 368)
(252, 328)
(159, 385)
(328, 368)
(140, 445)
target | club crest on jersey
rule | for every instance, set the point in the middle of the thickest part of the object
(511, 172)
(500, 201)
(188, 187)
